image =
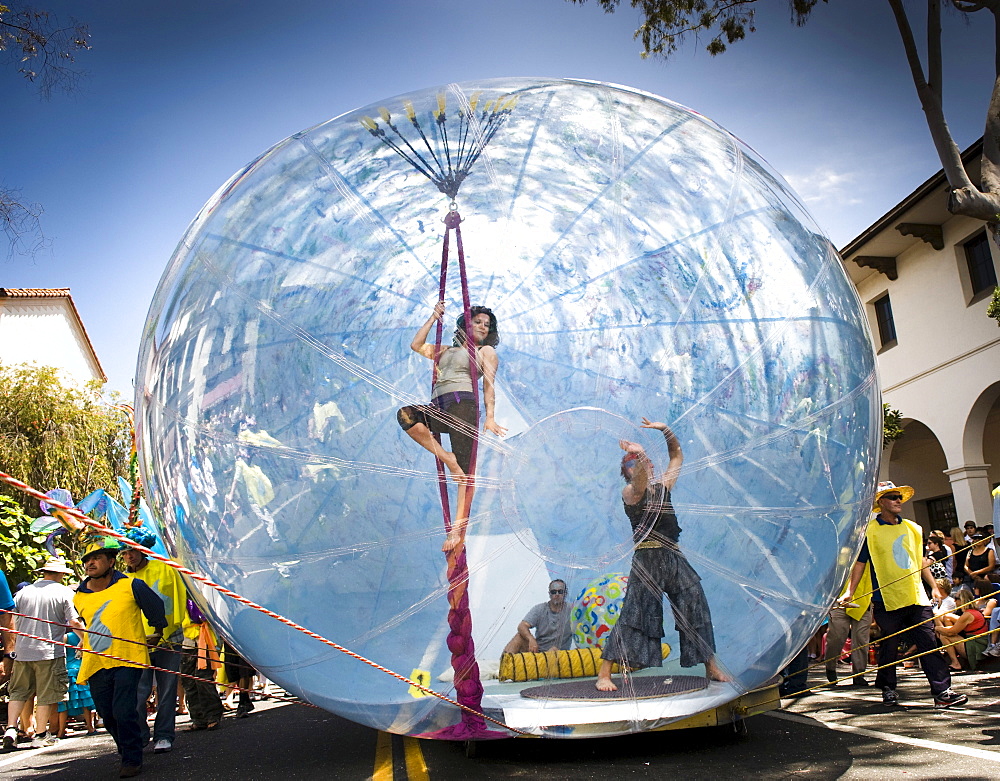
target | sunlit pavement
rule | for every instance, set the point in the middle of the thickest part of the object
(838, 732)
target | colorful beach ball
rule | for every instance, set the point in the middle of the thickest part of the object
(597, 608)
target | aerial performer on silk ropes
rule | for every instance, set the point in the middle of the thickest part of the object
(454, 407)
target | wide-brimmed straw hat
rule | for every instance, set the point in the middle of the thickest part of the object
(55, 565)
(887, 487)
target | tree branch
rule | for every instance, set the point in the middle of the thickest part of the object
(934, 77)
(948, 151)
(20, 223)
(991, 147)
(971, 6)
(41, 50)
(666, 22)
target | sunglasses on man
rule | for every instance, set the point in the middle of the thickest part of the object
(893, 497)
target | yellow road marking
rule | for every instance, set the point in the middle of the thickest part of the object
(383, 757)
(423, 677)
(416, 766)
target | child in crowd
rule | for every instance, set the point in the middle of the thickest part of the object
(78, 699)
(946, 605)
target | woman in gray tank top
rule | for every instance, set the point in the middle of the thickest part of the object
(452, 410)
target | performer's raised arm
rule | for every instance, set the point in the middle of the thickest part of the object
(674, 451)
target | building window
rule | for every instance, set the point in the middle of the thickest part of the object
(941, 513)
(982, 274)
(886, 326)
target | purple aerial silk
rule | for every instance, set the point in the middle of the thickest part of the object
(468, 686)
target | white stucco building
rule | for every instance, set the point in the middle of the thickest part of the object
(43, 326)
(926, 277)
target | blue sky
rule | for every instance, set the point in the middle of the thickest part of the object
(179, 96)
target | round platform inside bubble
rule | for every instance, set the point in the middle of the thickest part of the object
(644, 688)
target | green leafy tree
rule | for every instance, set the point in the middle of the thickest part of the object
(892, 424)
(993, 310)
(666, 23)
(21, 551)
(53, 435)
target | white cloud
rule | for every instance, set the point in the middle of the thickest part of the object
(824, 184)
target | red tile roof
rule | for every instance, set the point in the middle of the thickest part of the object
(35, 292)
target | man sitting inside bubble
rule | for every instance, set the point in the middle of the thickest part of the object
(550, 620)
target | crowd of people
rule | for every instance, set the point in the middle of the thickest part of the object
(934, 600)
(106, 654)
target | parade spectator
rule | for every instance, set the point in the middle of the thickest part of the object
(856, 622)
(991, 542)
(168, 585)
(961, 549)
(113, 605)
(201, 660)
(39, 662)
(891, 564)
(993, 649)
(947, 604)
(240, 673)
(970, 529)
(940, 559)
(986, 595)
(969, 619)
(6, 622)
(981, 561)
(550, 620)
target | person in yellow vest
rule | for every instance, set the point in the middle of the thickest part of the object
(856, 622)
(892, 560)
(113, 606)
(169, 586)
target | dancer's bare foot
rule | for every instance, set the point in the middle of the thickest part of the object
(455, 537)
(715, 673)
(605, 685)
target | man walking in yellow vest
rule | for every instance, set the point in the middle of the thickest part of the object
(112, 605)
(892, 556)
(168, 585)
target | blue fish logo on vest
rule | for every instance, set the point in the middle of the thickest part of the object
(99, 642)
(900, 554)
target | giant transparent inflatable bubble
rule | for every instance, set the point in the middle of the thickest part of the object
(641, 262)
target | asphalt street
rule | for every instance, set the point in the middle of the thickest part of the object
(833, 734)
